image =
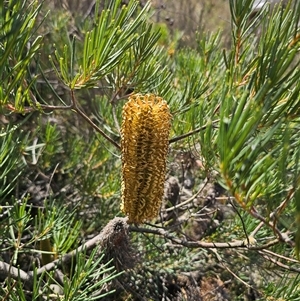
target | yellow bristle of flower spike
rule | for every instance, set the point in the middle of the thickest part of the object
(146, 123)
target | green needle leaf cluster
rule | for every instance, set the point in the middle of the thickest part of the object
(18, 46)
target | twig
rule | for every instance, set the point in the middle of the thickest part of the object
(215, 290)
(51, 177)
(198, 214)
(280, 264)
(74, 106)
(9, 291)
(243, 224)
(115, 118)
(90, 122)
(283, 205)
(36, 108)
(67, 258)
(224, 198)
(89, 10)
(202, 244)
(195, 131)
(219, 258)
(186, 201)
(272, 254)
(282, 236)
(253, 233)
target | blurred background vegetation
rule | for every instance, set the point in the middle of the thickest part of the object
(60, 177)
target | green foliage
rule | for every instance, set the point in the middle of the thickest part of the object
(235, 111)
(11, 164)
(195, 105)
(287, 289)
(258, 111)
(19, 44)
(90, 275)
(116, 48)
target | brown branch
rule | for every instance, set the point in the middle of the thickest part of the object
(36, 108)
(9, 291)
(189, 200)
(241, 219)
(90, 122)
(202, 244)
(275, 261)
(283, 205)
(254, 213)
(74, 106)
(195, 131)
(258, 227)
(282, 236)
(219, 258)
(180, 137)
(68, 257)
(273, 254)
(107, 233)
(111, 232)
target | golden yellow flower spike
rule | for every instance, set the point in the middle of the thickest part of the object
(146, 123)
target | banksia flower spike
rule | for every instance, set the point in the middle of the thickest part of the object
(146, 123)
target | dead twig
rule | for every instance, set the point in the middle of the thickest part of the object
(186, 201)
(203, 244)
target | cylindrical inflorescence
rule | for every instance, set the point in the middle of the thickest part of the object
(146, 123)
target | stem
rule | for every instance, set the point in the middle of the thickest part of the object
(195, 131)
(90, 122)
